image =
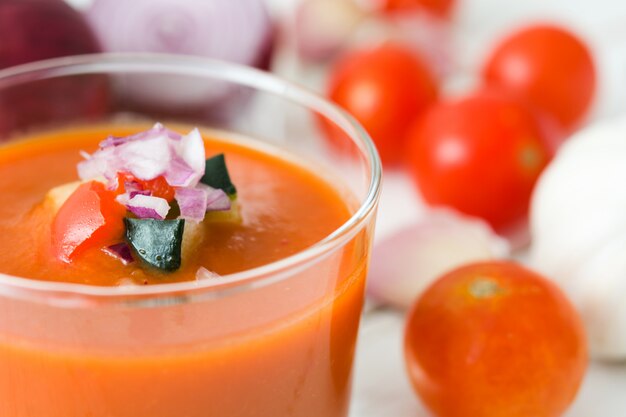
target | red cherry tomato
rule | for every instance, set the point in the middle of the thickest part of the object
(385, 89)
(495, 340)
(481, 154)
(550, 67)
(441, 8)
(88, 218)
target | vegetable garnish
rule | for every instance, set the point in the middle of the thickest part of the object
(144, 187)
(148, 207)
(218, 200)
(156, 242)
(120, 251)
(148, 155)
(89, 217)
(192, 203)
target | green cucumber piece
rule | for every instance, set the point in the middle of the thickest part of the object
(158, 243)
(216, 175)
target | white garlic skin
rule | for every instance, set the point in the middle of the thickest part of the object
(578, 231)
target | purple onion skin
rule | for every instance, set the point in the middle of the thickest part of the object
(145, 213)
(32, 30)
(263, 61)
(188, 27)
(120, 251)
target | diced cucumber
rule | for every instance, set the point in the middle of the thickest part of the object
(158, 243)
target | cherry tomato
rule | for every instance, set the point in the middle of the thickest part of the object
(550, 67)
(480, 154)
(88, 218)
(495, 340)
(441, 8)
(385, 89)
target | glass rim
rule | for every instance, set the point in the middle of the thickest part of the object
(83, 294)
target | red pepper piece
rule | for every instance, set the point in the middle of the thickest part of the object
(89, 217)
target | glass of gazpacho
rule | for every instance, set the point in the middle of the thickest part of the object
(178, 238)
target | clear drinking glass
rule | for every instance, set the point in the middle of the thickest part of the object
(274, 341)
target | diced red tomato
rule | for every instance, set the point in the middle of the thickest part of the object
(89, 217)
(122, 179)
(158, 186)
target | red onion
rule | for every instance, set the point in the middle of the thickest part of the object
(120, 251)
(145, 159)
(148, 155)
(217, 200)
(187, 167)
(148, 207)
(224, 29)
(238, 31)
(97, 165)
(192, 203)
(406, 263)
(32, 30)
(113, 141)
(180, 159)
(138, 192)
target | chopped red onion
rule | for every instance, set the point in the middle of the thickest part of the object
(120, 251)
(192, 152)
(131, 191)
(145, 159)
(97, 164)
(192, 203)
(147, 155)
(113, 184)
(130, 186)
(112, 141)
(131, 194)
(123, 199)
(148, 207)
(180, 174)
(156, 130)
(217, 200)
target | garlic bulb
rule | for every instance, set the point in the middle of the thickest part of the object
(578, 228)
(406, 263)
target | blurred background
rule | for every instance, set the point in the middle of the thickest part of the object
(470, 29)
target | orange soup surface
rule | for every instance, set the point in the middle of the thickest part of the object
(283, 349)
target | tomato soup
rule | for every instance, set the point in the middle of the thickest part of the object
(281, 347)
